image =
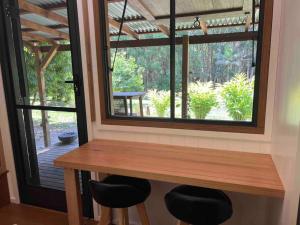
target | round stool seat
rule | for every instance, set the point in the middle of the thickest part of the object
(200, 206)
(120, 191)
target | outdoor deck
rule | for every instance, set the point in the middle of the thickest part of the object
(50, 176)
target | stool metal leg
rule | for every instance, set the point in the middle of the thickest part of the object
(123, 216)
(143, 214)
(105, 216)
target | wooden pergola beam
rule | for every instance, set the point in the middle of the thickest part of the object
(52, 7)
(125, 29)
(248, 23)
(42, 12)
(37, 37)
(48, 58)
(39, 27)
(203, 26)
(148, 15)
(198, 39)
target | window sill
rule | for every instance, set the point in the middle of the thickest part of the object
(241, 129)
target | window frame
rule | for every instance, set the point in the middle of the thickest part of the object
(256, 126)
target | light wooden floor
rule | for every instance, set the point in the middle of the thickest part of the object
(29, 215)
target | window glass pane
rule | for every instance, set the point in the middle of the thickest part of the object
(50, 134)
(140, 79)
(215, 77)
(51, 86)
(141, 88)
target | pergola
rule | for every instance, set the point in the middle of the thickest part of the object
(45, 21)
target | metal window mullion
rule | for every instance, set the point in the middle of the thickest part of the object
(172, 56)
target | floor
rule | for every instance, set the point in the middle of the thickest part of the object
(28, 215)
(50, 176)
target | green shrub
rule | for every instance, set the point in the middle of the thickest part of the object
(238, 97)
(160, 100)
(202, 99)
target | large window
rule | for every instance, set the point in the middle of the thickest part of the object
(185, 64)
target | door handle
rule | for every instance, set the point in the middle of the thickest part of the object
(76, 83)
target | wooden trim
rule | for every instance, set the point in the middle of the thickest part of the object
(42, 12)
(182, 125)
(99, 55)
(264, 65)
(89, 59)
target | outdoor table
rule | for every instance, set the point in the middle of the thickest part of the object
(129, 95)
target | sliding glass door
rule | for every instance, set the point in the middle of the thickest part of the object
(42, 76)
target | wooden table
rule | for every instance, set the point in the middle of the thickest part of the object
(129, 95)
(248, 173)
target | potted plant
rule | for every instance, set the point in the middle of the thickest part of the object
(160, 101)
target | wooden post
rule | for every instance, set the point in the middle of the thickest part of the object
(41, 65)
(73, 197)
(42, 95)
(185, 74)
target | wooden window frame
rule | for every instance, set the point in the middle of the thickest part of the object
(260, 95)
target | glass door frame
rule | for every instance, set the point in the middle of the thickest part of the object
(12, 64)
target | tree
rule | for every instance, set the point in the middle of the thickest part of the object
(127, 75)
(57, 72)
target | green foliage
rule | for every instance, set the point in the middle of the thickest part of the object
(57, 72)
(202, 99)
(160, 100)
(127, 75)
(238, 97)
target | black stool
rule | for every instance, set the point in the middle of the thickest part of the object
(121, 192)
(198, 206)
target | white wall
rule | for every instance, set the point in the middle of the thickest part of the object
(286, 132)
(248, 210)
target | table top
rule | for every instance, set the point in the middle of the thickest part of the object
(242, 172)
(128, 94)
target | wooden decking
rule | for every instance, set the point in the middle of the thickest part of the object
(50, 176)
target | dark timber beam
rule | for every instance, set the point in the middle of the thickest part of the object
(201, 39)
(185, 75)
(243, 36)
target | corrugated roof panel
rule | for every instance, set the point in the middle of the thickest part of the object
(65, 30)
(44, 2)
(62, 12)
(39, 19)
(43, 34)
(116, 9)
(142, 26)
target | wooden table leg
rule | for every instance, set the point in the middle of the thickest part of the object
(125, 106)
(130, 105)
(141, 106)
(73, 196)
